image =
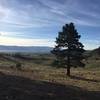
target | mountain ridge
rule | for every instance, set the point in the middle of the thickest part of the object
(34, 49)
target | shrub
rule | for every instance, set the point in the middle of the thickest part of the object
(19, 66)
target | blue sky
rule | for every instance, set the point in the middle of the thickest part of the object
(37, 22)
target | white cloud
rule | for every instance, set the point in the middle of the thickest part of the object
(25, 42)
(4, 40)
(42, 13)
(14, 14)
(11, 34)
(91, 44)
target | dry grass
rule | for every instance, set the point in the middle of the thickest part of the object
(86, 79)
(39, 81)
(49, 84)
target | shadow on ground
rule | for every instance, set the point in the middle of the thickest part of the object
(84, 79)
(19, 88)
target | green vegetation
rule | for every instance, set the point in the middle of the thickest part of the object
(19, 66)
(69, 50)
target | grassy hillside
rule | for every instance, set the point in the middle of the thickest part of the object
(92, 58)
(37, 80)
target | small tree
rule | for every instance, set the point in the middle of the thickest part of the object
(68, 51)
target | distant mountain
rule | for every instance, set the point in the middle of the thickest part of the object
(33, 49)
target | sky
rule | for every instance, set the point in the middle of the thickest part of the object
(37, 22)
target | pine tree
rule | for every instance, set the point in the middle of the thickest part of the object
(68, 51)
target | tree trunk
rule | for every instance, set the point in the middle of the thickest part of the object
(68, 65)
(68, 71)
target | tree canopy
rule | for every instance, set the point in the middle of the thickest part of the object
(68, 50)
